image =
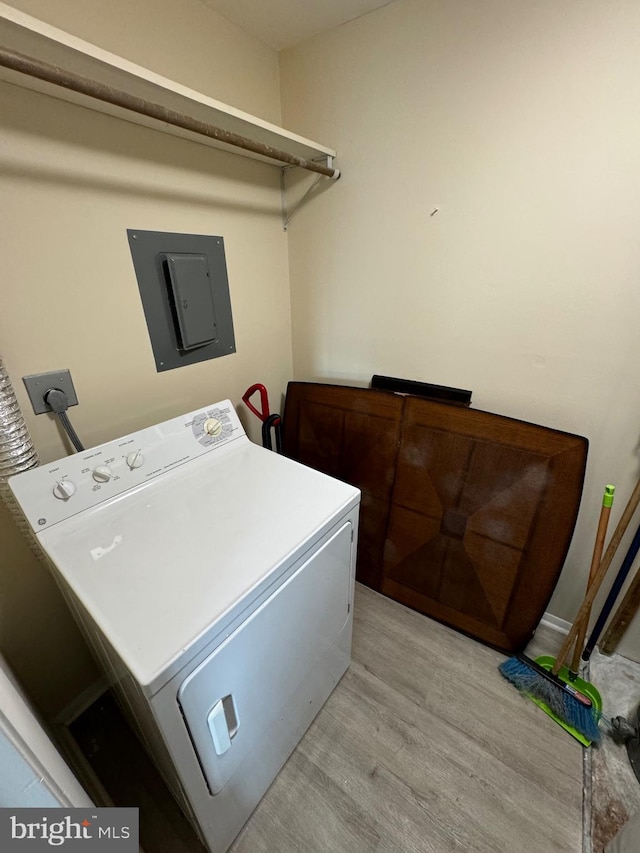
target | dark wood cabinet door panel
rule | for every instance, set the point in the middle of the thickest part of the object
(483, 509)
(466, 516)
(351, 434)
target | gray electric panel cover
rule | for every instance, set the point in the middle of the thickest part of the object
(193, 299)
(184, 289)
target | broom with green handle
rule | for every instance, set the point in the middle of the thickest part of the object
(569, 675)
(603, 568)
(603, 523)
(575, 709)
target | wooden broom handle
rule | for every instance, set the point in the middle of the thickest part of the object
(599, 576)
(621, 619)
(598, 548)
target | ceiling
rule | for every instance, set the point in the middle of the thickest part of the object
(283, 23)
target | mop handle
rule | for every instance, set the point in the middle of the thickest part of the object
(262, 413)
(629, 510)
(598, 548)
(613, 595)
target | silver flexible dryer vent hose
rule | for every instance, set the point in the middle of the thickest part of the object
(17, 452)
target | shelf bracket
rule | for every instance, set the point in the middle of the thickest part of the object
(287, 214)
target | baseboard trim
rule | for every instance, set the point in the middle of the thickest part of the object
(555, 623)
(76, 707)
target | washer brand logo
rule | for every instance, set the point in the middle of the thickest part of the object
(28, 830)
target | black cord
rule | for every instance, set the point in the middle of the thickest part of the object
(58, 402)
(68, 427)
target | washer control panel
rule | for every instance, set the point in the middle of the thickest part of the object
(64, 488)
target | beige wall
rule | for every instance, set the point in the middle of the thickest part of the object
(71, 183)
(519, 122)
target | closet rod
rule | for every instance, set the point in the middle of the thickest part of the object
(77, 83)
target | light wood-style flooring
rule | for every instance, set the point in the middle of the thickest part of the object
(423, 748)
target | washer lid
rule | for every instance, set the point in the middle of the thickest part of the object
(163, 569)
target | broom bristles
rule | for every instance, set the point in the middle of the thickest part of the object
(565, 706)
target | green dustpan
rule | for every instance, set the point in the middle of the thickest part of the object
(581, 685)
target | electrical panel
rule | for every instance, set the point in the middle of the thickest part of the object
(184, 289)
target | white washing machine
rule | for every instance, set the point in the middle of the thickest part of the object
(214, 581)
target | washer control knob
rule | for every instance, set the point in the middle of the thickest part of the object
(102, 474)
(212, 426)
(135, 460)
(64, 489)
